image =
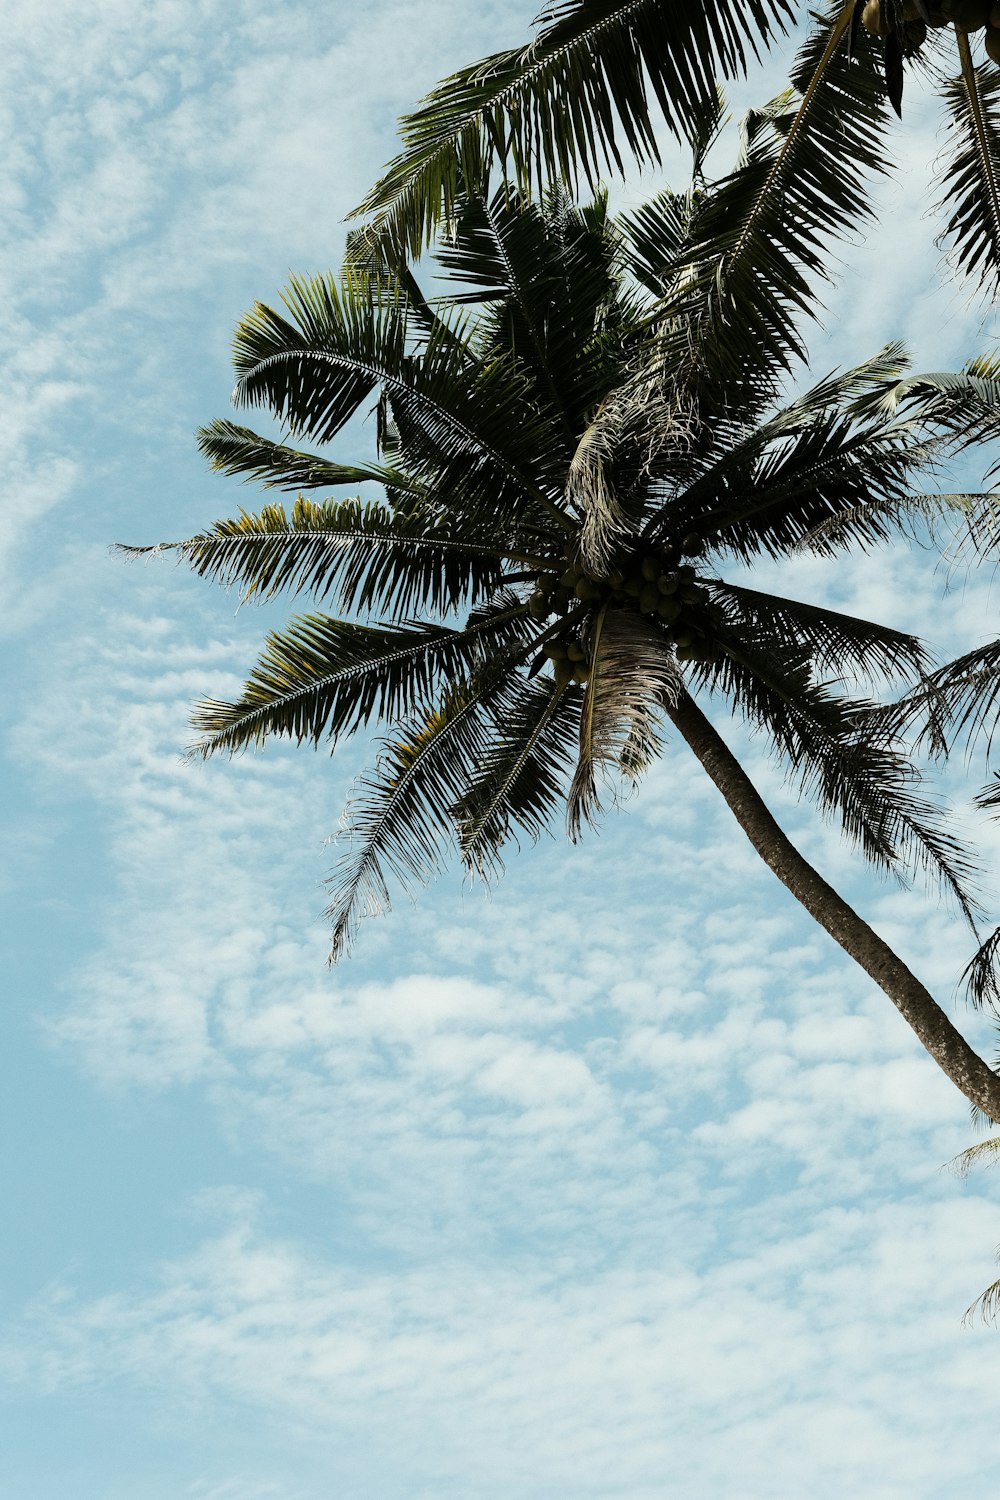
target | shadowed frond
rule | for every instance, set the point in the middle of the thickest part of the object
(832, 749)
(523, 776)
(971, 174)
(400, 822)
(566, 103)
(833, 641)
(232, 449)
(472, 423)
(961, 699)
(980, 976)
(759, 242)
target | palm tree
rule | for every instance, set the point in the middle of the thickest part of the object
(599, 76)
(571, 447)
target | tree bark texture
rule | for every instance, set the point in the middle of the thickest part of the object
(949, 1049)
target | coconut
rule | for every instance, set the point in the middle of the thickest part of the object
(668, 609)
(994, 20)
(668, 583)
(649, 598)
(877, 18)
(555, 650)
(651, 569)
(972, 15)
(575, 651)
(692, 544)
(993, 42)
(563, 672)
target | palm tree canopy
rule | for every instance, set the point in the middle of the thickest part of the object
(572, 450)
(598, 80)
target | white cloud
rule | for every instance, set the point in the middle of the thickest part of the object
(796, 1365)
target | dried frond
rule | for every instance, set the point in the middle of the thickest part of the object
(633, 671)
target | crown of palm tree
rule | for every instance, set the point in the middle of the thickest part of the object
(574, 448)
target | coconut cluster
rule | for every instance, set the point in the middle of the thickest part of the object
(653, 582)
(910, 21)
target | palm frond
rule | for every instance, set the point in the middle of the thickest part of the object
(982, 1154)
(565, 103)
(835, 642)
(233, 449)
(980, 976)
(474, 420)
(323, 679)
(986, 1306)
(632, 673)
(823, 481)
(971, 175)
(831, 747)
(524, 774)
(546, 275)
(373, 559)
(400, 822)
(759, 241)
(963, 695)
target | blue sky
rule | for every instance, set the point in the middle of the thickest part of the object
(616, 1183)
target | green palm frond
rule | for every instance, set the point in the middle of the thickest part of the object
(478, 418)
(971, 175)
(832, 749)
(833, 641)
(759, 242)
(655, 237)
(545, 274)
(233, 449)
(560, 106)
(401, 820)
(523, 775)
(981, 977)
(823, 482)
(960, 700)
(323, 679)
(372, 558)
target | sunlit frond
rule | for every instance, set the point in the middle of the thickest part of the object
(368, 558)
(323, 679)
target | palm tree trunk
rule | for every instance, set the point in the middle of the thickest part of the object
(949, 1049)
